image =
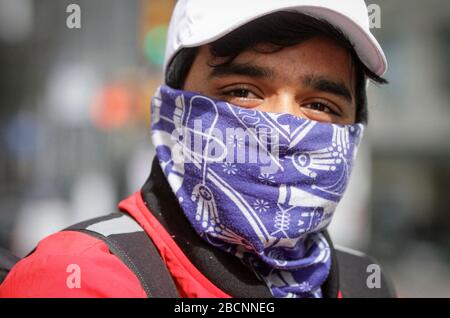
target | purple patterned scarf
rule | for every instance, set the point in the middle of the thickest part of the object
(261, 186)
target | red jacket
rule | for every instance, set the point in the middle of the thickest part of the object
(44, 273)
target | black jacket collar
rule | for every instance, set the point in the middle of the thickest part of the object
(224, 271)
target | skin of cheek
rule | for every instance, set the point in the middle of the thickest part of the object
(283, 91)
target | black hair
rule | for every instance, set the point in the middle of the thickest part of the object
(280, 29)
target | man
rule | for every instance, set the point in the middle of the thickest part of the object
(255, 133)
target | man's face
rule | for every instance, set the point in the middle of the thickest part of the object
(314, 80)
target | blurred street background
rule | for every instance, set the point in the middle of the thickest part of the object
(74, 128)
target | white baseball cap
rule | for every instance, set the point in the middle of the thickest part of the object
(199, 22)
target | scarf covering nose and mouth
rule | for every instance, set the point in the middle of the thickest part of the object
(261, 186)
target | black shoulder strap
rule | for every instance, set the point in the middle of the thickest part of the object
(129, 242)
(7, 261)
(354, 271)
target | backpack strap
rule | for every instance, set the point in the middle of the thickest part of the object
(7, 261)
(128, 241)
(354, 270)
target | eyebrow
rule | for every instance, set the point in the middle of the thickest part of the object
(249, 70)
(319, 83)
(326, 85)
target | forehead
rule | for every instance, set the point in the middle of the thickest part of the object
(317, 56)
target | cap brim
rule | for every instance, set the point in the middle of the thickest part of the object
(365, 44)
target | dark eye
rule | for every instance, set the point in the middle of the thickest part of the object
(241, 93)
(321, 107)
